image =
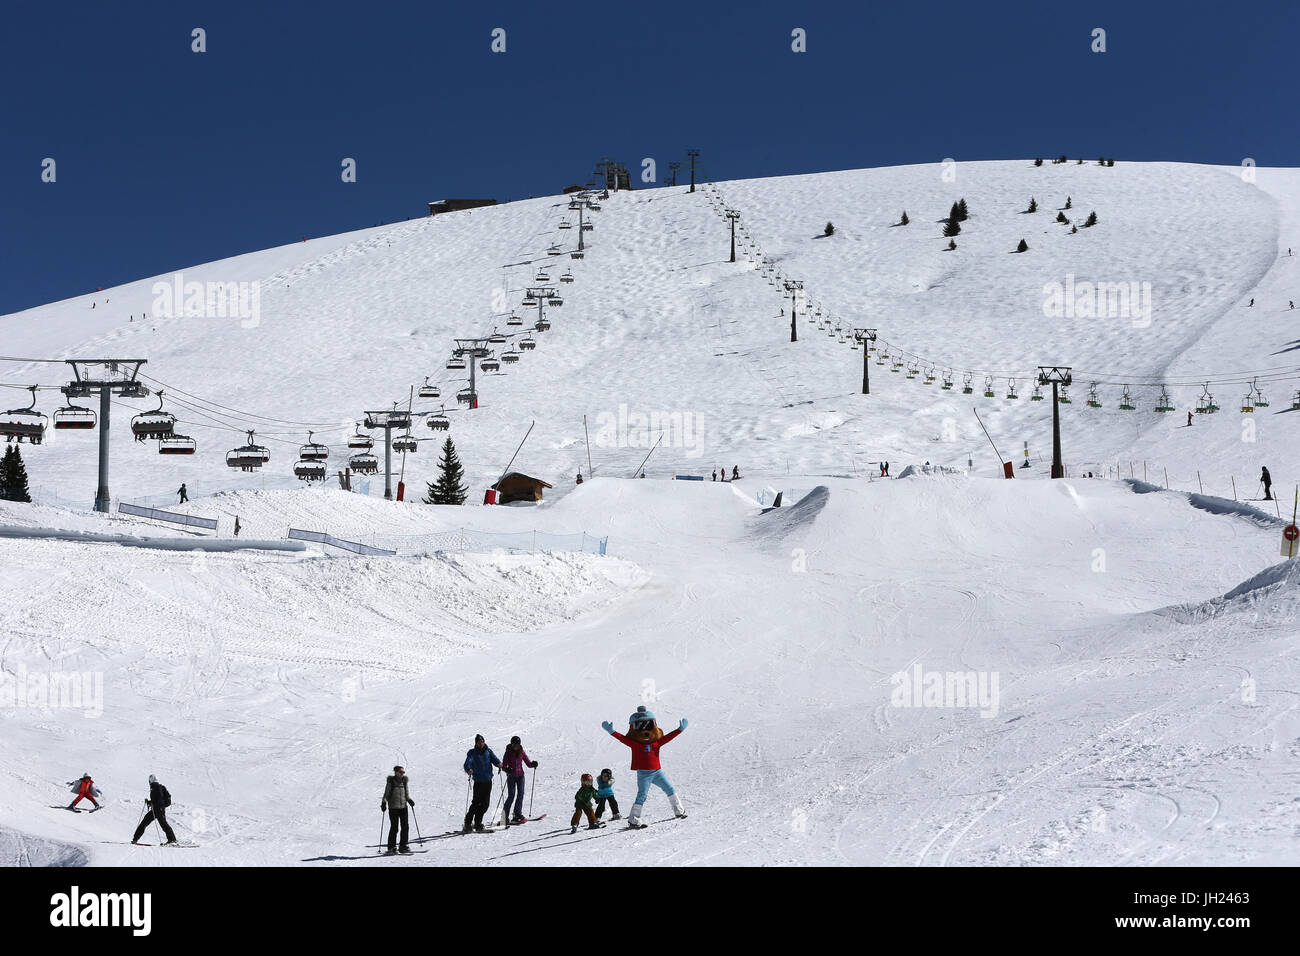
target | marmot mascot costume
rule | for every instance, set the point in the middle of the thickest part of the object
(645, 738)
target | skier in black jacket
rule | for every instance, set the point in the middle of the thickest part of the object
(1267, 479)
(158, 802)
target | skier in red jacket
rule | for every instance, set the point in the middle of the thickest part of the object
(645, 738)
(85, 789)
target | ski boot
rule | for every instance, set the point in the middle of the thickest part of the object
(676, 803)
(634, 818)
(573, 829)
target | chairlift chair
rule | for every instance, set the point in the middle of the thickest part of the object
(575, 254)
(73, 417)
(510, 357)
(553, 251)
(543, 325)
(364, 464)
(428, 390)
(528, 344)
(313, 450)
(1063, 397)
(405, 444)
(565, 224)
(497, 338)
(567, 277)
(249, 457)
(1163, 404)
(154, 424)
(1205, 404)
(1093, 401)
(439, 422)
(555, 301)
(466, 397)
(1126, 401)
(542, 276)
(966, 387)
(309, 470)
(913, 370)
(1260, 400)
(515, 320)
(1037, 395)
(174, 444)
(947, 380)
(1295, 402)
(988, 386)
(489, 365)
(27, 423)
(455, 364)
(1011, 389)
(929, 376)
(1247, 403)
(360, 441)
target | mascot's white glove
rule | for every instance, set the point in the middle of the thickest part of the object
(607, 727)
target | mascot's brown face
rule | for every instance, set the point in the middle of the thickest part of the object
(644, 731)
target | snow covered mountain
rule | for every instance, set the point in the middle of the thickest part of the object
(1128, 650)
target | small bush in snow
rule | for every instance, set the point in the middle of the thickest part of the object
(1092, 219)
(1023, 247)
(1068, 202)
(1033, 205)
(1038, 162)
(829, 230)
(904, 221)
(952, 244)
(1060, 217)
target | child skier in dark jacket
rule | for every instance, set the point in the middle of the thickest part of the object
(605, 794)
(582, 805)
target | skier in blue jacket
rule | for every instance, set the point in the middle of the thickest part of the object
(478, 766)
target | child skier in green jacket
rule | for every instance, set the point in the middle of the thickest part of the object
(582, 804)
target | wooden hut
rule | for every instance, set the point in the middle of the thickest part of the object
(517, 486)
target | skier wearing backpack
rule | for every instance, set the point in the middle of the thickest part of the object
(644, 737)
(85, 789)
(397, 795)
(513, 763)
(478, 767)
(158, 802)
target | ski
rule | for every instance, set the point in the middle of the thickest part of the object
(169, 846)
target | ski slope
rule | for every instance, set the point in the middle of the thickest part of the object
(1142, 640)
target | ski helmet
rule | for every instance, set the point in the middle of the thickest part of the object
(516, 742)
(607, 772)
(586, 777)
(152, 778)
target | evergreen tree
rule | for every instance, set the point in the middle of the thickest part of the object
(1033, 205)
(1092, 219)
(1068, 202)
(13, 476)
(1110, 162)
(1038, 162)
(904, 221)
(1060, 217)
(448, 489)
(1023, 247)
(829, 230)
(962, 212)
(1073, 230)
(953, 228)
(952, 244)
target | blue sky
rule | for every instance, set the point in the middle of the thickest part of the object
(166, 158)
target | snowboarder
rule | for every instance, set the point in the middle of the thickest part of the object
(397, 794)
(478, 767)
(158, 802)
(605, 794)
(185, 495)
(582, 805)
(735, 473)
(1267, 479)
(579, 478)
(513, 763)
(236, 526)
(645, 738)
(85, 789)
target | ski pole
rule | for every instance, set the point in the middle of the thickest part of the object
(532, 792)
(500, 795)
(417, 823)
(381, 826)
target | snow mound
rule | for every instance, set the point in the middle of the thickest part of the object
(22, 849)
(1271, 594)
